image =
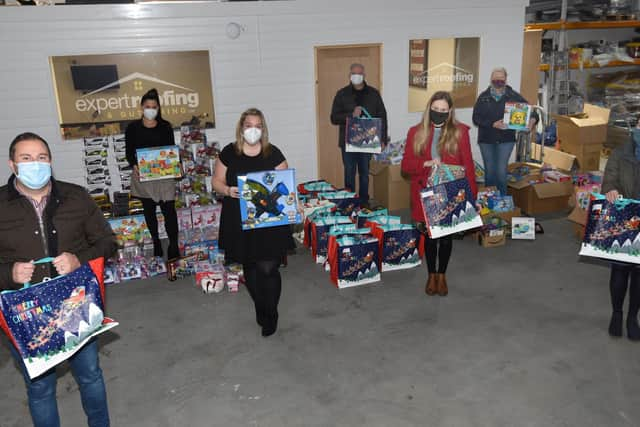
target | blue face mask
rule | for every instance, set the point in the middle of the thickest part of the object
(34, 175)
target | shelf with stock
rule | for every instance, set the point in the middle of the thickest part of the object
(582, 25)
(546, 67)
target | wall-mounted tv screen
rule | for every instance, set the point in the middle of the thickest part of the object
(91, 77)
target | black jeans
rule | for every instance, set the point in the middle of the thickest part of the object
(168, 209)
(437, 249)
(262, 280)
(625, 276)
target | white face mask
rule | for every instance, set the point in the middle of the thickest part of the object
(150, 113)
(252, 135)
(357, 79)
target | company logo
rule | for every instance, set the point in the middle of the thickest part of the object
(446, 73)
(181, 98)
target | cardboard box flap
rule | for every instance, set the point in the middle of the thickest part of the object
(556, 158)
(592, 116)
(578, 215)
(553, 189)
(376, 168)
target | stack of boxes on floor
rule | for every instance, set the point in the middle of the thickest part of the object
(198, 221)
(354, 245)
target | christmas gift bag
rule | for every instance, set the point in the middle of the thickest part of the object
(50, 321)
(355, 261)
(449, 208)
(612, 230)
(320, 235)
(363, 134)
(365, 215)
(312, 188)
(346, 201)
(401, 246)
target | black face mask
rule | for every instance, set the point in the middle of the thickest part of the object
(438, 118)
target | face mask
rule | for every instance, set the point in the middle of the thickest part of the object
(498, 84)
(252, 135)
(33, 175)
(357, 79)
(150, 113)
(438, 118)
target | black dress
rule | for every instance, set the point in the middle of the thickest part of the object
(251, 245)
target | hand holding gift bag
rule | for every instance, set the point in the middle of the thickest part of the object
(449, 208)
(50, 321)
(363, 134)
(612, 230)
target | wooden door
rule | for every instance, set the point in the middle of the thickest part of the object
(332, 73)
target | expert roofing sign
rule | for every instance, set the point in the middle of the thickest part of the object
(100, 94)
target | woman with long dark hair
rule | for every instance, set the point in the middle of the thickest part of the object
(151, 130)
(259, 251)
(438, 139)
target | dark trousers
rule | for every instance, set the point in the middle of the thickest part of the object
(262, 280)
(438, 249)
(168, 209)
(625, 276)
(359, 162)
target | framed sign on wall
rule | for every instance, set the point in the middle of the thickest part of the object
(99, 95)
(443, 64)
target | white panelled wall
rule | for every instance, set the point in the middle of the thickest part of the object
(270, 65)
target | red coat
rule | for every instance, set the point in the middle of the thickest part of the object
(413, 165)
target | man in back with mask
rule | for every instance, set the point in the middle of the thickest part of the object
(41, 217)
(350, 101)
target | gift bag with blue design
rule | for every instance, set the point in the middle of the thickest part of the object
(346, 201)
(449, 208)
(318, 209)
(444, 173)
(612, 230)
(400, 246)
(320, 235)
(312, 188)
(50, 321)
(365, 215)
(354, 260)
(363, 134)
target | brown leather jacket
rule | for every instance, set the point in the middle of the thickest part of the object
(71, 222)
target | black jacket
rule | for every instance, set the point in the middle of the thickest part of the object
(345, 101)
(71, 222)
(487, 111)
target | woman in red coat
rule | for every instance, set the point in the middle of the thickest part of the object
(438, 139)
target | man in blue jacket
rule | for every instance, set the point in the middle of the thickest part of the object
(495, 140)
(350, 101)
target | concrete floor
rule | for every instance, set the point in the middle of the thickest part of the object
(520, 341)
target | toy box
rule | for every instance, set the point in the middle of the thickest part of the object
(516, 115)
(158, 163)
(523, 228)
(268, 199)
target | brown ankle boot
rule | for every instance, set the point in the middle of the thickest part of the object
(432, 285)
(442, 285)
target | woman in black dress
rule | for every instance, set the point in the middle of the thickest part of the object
(153, 131)
(259, 251)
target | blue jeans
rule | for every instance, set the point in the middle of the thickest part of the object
(41, 390)
(359, 161)
(496, 159)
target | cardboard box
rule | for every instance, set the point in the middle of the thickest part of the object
(390, 188)
(560, 159)
(542, 198)
(503, 215)
(492, 238)
(584, 135)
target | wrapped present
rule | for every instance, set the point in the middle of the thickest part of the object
(268, 199)
(354, 261)
(363, 134)
(400, 246)
(50, 321)
(613, 230)
(449, 208)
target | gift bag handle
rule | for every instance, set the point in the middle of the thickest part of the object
(40, 261)
(366, 113)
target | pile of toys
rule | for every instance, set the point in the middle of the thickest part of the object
(198, 157)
